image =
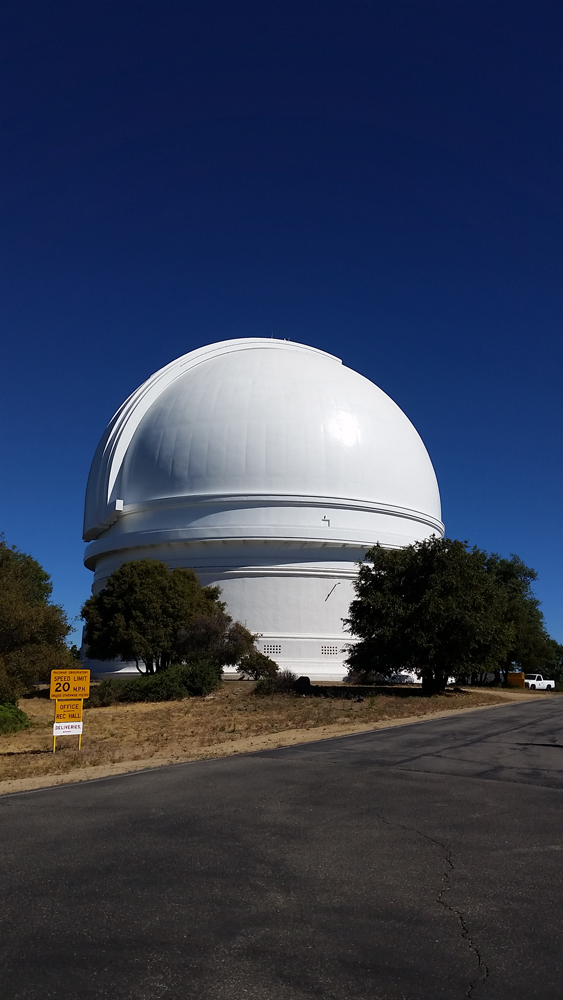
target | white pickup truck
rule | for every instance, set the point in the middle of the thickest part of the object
(537, 683)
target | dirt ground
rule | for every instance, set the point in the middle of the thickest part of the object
(134, 737)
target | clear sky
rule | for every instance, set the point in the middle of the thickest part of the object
(382, 180)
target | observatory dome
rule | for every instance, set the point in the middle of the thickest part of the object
(261, 417)
(258, 458)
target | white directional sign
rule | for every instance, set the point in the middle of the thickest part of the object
(67, 728)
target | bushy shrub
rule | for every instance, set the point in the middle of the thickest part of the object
(265, 686)
(200, 677)
(12, 719)
(281, 683)
(256, 665)
(285, 681)
(365, 677)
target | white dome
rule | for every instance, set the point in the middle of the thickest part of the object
(260, 417)
(269, 468)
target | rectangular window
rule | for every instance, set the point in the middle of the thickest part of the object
(271, 649)
(329, 650)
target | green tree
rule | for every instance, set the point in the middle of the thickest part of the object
(32, 630)
(553, 664)
(433, 607)
(141, 612)
(215, 637)
(530, 646)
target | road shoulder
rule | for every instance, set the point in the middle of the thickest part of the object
(245, 745)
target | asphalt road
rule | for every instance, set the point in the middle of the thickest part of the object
(417, 863)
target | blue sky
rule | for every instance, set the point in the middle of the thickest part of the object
(382, 180)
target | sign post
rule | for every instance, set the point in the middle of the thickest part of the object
(68, 690)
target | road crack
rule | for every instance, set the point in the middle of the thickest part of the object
(441, 899)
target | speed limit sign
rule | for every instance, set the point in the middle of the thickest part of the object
(68, 690)
(69, 684)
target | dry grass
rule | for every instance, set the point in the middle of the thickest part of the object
(119, 738)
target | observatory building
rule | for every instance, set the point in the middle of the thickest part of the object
(270, 468)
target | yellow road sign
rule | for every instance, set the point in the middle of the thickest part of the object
(70, 684)
(68, 711)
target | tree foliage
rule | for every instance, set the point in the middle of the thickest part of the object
(142, 610)
(554, 661)
(157, 617)
(440, 608)
(32, 630)
(530, 647)
(256, 666)
(215, 637)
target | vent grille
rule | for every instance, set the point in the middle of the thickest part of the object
(272, 649)
(329, 650)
